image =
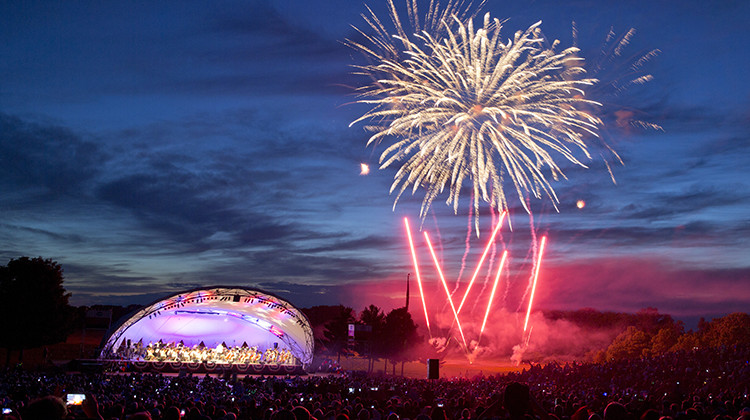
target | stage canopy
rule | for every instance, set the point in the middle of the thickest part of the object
(231, 316)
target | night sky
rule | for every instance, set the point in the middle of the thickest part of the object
(151, 147)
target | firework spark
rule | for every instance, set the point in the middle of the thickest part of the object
(492, 293)
(533, 281)
(617, 73)
(460, 106)
(481, 261)
(536, 277)
(467, 248)
(445, 286)
(416, 270)
(383, 43)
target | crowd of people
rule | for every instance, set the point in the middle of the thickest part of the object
(709, 384)
(199, 353)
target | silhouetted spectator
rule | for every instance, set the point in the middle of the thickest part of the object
(615, 411)
(45, 408)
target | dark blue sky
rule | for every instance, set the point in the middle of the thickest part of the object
(155, 146)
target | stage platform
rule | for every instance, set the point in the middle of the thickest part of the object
(201, 368)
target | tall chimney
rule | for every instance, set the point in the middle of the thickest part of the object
(407, 291)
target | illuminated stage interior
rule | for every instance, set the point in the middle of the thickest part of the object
(228, 316)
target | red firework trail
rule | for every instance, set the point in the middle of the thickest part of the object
(481, 261)
(491, 264)
(467, 248)
(445, 286)
(416, 269)
(536, 277)
(492, 294)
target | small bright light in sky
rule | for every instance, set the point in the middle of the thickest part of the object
(580, 204)
(364, 169)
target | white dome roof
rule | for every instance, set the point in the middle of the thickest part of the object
(230, 315)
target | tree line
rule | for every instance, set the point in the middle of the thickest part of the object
(650, 333)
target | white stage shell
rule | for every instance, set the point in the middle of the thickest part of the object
(230, 315)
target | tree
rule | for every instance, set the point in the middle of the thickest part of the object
(630, 344)
(729, 330)
(35, 310)
(400, 335)
(667, 338)
(337, 330)
(686, 342)
(650, 321)
(373, 317)
(320, 316)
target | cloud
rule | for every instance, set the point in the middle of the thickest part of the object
(264, 52)
(233, 49)
(241, 185)
(690, 201)
(228, 212)
(72, 238)
(50, 158)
